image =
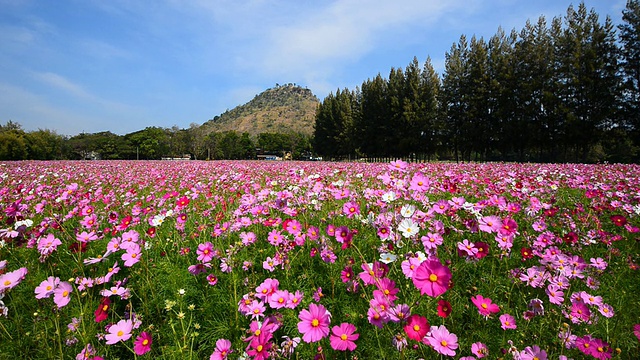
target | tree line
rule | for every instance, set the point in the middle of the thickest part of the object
(151, 143)
(564, 91)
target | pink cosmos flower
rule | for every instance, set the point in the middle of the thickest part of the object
(377, 318)
(398, 165)
(399, 312)
(387, 288)
(275, 237)
(416, 327)
(267, 288)
(432, 240)
(120, 331)
(484, 305)
(131, 256)
(142, 345)
(533, 353)
(212, 279)
(294, 299)
(205, 252)
(47, 287)
(343, 337)
(314, 323)
(490, 224)
(409, 266)
(579, 312)
(61, 294)
(256, 309)
(636, 331)
(479, 349)
(223, 348)
(419, 182)
(293, 227)
(442, 340)
(350, 209)
(279, 299)
(600, 349)
(12, 279)
(48, 245)
(259, 346)
(86, 237)
(507, 322)
(432, 278)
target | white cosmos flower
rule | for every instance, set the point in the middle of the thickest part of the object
(157, 220)
(389, 196)
(387, 258)
(408, 228)
(407, 210)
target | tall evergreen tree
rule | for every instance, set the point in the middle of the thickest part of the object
(630, 61)
(454, 98)
(373, 127)
(429, 129)
(588, 71)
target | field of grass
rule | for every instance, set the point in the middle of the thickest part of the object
(296, 260)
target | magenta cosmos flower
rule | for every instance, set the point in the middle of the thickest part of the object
(432, 278)
(485, 306)
(417, 327)
(343, 337)
(442, 340)
(142, 345)
(314, 323)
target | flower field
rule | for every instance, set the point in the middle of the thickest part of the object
(304, 260)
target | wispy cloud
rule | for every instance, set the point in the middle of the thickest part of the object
(76, 90)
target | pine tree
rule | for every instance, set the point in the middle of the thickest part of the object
(453, 101)
(630, 62)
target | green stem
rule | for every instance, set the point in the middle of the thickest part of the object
(5, 330)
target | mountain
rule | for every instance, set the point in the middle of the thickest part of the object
(282, 109)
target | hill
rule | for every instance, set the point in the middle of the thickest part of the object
(282, 109)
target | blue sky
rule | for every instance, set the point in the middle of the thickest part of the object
(121, 65)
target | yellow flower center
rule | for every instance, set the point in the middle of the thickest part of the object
(65, 293)
(433, 277)
(484, 306)
(443, 343)
(120, 333)
(7, 283)
(257, 332)
(343, 337)
(259, 348)
(416, 327)
(145, 342)
(315, 322)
